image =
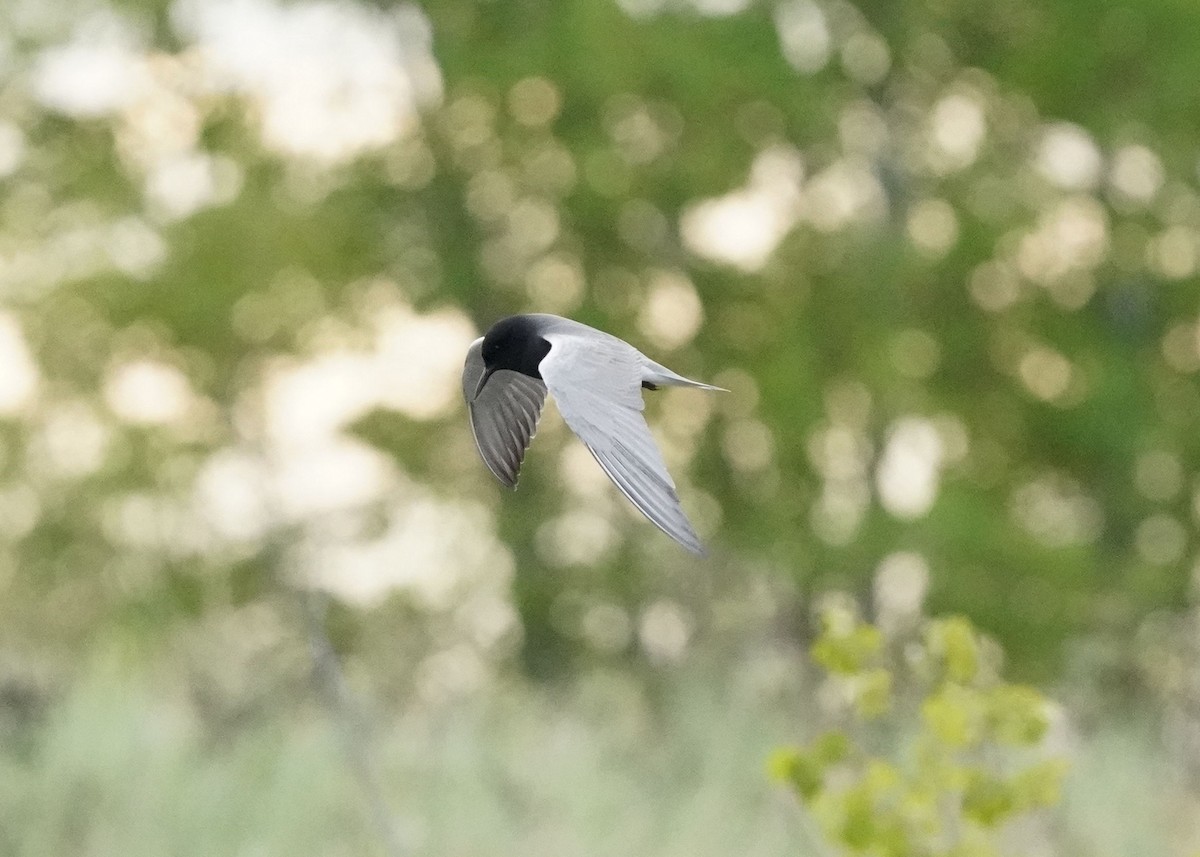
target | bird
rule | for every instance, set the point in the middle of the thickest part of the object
(597, 381)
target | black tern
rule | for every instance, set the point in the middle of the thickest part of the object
(597, 381)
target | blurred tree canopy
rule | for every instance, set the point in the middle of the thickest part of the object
(943, 253)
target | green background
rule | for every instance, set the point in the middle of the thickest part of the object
(1017, 294)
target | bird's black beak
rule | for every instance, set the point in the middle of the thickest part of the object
(483, 379)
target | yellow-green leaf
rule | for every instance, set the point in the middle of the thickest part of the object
(1017, 714)
(831, 747)
(873, 694)
(798, 769)
(953, 715)
(987, 799)
(956, 642)
(846, 652)
(1040, 785)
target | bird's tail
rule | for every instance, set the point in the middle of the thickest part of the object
(656, 375)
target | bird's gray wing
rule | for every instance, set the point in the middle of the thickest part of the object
(504, 416)
(596, 381)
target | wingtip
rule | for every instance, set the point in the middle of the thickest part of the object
(689, 541)
(506, 479)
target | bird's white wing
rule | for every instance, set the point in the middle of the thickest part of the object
(504, 416)
(596, 381)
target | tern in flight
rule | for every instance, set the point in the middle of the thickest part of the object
(597, 381)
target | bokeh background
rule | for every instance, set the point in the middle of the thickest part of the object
(258, 595)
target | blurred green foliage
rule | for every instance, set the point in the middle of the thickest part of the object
(939, 772)
(944, 283)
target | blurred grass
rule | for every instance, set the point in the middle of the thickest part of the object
(117, 769)
(1124, 797)
(120, 768)
(122, 765)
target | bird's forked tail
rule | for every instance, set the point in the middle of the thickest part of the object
(655, 375)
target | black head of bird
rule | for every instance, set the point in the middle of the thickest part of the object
(513, 343)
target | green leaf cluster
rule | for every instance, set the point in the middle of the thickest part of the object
(965, 752)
